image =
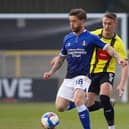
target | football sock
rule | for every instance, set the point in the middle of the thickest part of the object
(84, 116)
(70, 106)
(108, 110)
(95, 106)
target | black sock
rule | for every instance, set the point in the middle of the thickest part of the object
(108, 109)
(95, 106)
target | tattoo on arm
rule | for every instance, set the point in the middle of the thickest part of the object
(57, 64)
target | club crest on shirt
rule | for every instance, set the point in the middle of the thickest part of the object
(84, 43)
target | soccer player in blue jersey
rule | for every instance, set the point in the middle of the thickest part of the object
(77, 49)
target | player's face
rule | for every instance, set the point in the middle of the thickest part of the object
(109, 25)
(76, 24)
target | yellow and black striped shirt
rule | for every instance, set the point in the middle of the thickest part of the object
(101, 61)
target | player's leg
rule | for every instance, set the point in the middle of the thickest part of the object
(94, 89)
(70, 106)
(81, 86)
(107, 106)
(105, 91)
(90, 100)
(79, 99)
(92, 104)
(64, 95)
(61, 103)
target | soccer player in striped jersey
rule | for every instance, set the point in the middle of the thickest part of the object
(103, 68)
(77, 49)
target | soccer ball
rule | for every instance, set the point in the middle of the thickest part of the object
(49, 120)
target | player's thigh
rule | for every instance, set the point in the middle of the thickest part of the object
(65, 91)
(61, 103)
(106, 83)
(81, 85)
(64, 95)
(106, 89)
(79, 96)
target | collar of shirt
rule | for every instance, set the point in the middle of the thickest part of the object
(80, 33)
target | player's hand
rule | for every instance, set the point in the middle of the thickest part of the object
(47, 75)
(122, 62)
(120, 90)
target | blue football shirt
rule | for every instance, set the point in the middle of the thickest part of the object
(78, 50)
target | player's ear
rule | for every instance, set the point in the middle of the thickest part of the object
(83, 22)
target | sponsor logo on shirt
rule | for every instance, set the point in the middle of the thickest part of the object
(103, 55)
(76, 52)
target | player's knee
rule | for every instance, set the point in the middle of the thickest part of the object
(79, 98)
(105, 101)
(60, 108)
(78, 102)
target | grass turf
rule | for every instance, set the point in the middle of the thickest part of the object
(27, 116)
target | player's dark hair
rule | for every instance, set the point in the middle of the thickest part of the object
(111, 15)
(79, 13)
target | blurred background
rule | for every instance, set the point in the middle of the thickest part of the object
(31, 34)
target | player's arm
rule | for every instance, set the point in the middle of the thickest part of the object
(123, 78)
(111, 51)
(57, 64)
(53, 60)
(124, 70)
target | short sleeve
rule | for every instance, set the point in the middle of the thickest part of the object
(63, 51)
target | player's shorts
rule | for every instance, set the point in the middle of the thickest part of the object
(98, 79)
(68, 86)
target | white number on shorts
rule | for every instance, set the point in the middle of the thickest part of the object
(110, 77)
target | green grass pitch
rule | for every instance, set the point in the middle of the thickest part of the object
(27, 116)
